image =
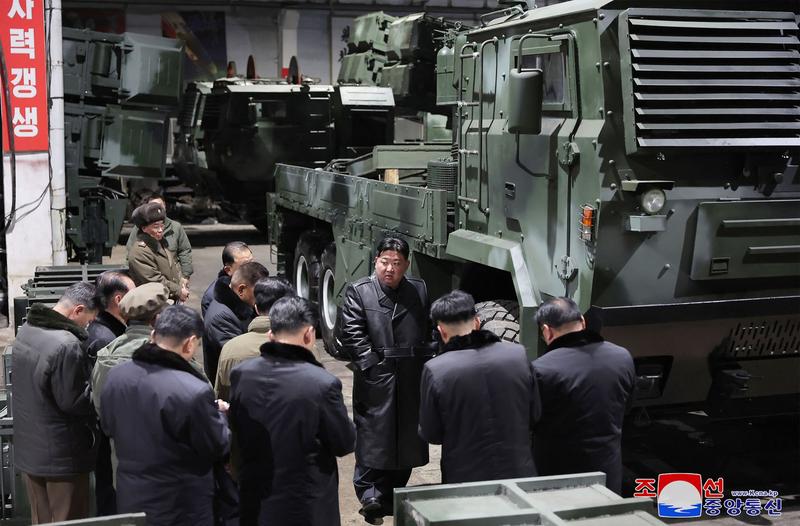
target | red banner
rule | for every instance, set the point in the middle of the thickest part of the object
(23, 38)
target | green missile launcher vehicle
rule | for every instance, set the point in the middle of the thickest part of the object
(639, 157)
(118, 93)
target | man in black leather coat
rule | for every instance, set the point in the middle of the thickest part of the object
(382, 331)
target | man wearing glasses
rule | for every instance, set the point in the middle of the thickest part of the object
(383, 332)
(150, 259)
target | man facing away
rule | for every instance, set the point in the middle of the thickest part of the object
(248, 345)
(230, 313)
(112, 286)
(478, 398)
(291, 423)
(54, 423)
(585, 384)
(140, 307)
(168, 430)
(383, 332)
(234, 255)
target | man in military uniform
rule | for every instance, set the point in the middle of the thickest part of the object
(150, 260)
(383, 330)
(174, 235)
(140, 307)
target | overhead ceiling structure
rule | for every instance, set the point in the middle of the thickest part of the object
(363, 6)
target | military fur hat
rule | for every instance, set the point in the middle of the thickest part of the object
(148, 213)
(144, 302)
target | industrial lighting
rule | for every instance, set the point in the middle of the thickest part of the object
(587, 222)
(653, 200)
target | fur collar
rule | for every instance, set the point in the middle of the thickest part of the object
(575, 339)
(289, 352)
(108, 320)
(226, 296)
(473, 340)
(46, 318)
(153, 354)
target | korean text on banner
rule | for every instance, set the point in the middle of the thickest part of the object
(23, 38)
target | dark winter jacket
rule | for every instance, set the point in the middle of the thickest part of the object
(584, 384)
(54, 422)
(226, 318)
(208, 295)
(102, 331)
(290, 423)
(167, 433)
(384, 333)
(478, 400)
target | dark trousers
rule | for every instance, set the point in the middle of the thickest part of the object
(105, 495)
(379, 483)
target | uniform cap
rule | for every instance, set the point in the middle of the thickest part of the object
(148, 213)
(144, 302)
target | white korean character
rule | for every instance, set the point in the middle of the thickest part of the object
(22, 42)
(26, 122)
(18, 10)
(24, 82)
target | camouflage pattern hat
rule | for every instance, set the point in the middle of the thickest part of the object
(144, 302)
(148, 213)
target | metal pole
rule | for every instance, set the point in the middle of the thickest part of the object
(58, 207)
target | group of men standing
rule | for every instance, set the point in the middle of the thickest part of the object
(496, 414)
(275, 421)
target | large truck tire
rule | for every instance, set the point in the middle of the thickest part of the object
(500, 317)
(326, 299)
(307, 262)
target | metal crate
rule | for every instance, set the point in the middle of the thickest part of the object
(566, 500)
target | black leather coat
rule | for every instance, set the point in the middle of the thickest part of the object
(382, 332)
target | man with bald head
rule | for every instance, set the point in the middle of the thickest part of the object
(234, 255)
(584, 383)
(231, 312)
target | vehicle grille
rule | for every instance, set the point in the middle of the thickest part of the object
(764, 339)
(711, 78)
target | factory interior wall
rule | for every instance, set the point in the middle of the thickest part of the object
(256, 31)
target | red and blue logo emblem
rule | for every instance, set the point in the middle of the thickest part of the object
(680, 495)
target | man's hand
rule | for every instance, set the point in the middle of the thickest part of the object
(223, 406)
(184, 293)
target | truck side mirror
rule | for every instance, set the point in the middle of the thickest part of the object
(525, 94)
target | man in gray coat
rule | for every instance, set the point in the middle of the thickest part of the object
(54, 423)
(585, 384)
(478, 398)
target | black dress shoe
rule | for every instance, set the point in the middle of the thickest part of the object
(372, 511)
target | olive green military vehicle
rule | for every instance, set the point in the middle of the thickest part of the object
(119, 91)
(639, 157)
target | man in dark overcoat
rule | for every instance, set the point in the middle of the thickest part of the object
(109, 325)
(479, 398)
(290, 423)
(585, 384)
(234, 255)
(230, 312)
(383, 331)
(166, 427)
(54, 423)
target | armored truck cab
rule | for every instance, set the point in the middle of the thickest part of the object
(639, 157)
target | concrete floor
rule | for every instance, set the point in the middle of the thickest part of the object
(207, 242)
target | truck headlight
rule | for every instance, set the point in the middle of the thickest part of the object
(653, 200)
